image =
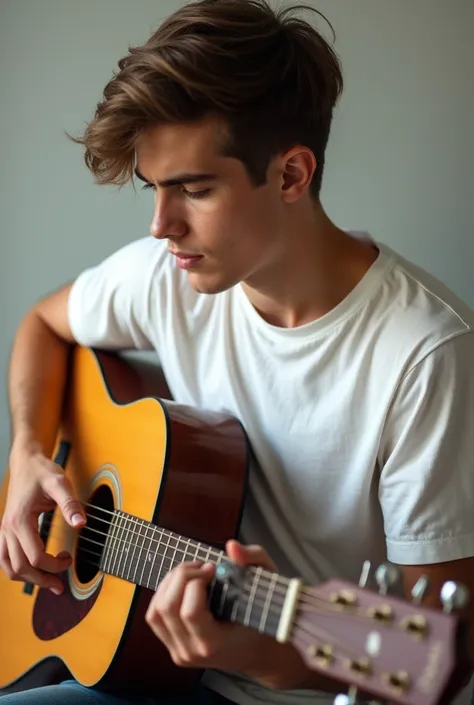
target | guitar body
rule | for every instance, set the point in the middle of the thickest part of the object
(124, 446)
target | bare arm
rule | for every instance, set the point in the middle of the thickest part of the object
(37, 373)
(35, 483)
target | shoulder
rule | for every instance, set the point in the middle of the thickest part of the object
(418, 314)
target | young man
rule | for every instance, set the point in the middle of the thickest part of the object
(351, 370)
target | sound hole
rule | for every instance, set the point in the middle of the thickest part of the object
(92, 537)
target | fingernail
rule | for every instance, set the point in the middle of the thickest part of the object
(64, 556)
(56, 590)
(77, 519)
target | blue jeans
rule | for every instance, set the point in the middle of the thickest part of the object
(71, 693)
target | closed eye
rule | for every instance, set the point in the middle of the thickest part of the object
(191, 194)
(196, 194)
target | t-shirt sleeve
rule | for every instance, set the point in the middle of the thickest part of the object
(426, 486)
(109, 304)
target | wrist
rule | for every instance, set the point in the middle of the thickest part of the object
(24, 447)
(280, 667)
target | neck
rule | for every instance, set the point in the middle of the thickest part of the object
(316, 267)
(143, 554)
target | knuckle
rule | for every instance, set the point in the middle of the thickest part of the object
(52, 482)
(35, 560)
(18, 567)
(189, 613)
(151, 616)
(205, 650)
(166, 608)
(6, 569)
(177, 658)
(13, 522)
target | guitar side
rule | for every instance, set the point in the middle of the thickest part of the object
(175, 466)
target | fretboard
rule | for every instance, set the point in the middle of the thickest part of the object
(143, 554)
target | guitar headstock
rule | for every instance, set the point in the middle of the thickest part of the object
(381, 645)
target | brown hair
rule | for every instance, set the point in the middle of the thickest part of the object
(269, 75)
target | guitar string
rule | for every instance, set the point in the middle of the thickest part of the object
(210, 552)
(307, 632)
(307, 597)
(316, 605)
(264, 583)
(132, 533)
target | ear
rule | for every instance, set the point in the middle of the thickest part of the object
(298, 166)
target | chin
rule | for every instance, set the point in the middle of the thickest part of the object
(208, 285)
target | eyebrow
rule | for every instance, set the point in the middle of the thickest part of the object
(179, 179)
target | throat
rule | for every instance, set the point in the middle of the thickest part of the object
(305, 293)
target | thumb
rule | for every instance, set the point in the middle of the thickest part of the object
(70, 507)
(249, 555)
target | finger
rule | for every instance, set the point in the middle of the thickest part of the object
(169, 605)
(23, 571)
(157, 625)
(249, 555)
(59, 489)
(33, 548)
(5, 563)
(196, 616)
(166, 605)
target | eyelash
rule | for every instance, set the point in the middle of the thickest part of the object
(191, 194)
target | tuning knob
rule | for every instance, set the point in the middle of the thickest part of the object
(344, 700)
(420, 589)
(454, 596)
(386, 575)
(349, 699)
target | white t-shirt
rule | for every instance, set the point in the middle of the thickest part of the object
(361, 421)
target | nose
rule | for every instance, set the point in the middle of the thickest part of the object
(167, 220)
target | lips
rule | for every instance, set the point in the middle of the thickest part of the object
(185, 260)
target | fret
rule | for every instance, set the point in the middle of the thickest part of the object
(125, 543)
(173, 559)
(109, 545)
(144, 554)
(162, 553)
(212, 588)
(132, 538)
(114, 546)
(251, 598)
(157, 547)
(186, 548)
(140, 563)
(121, 520)
(268, 600)
(147, 557)
(257, 605)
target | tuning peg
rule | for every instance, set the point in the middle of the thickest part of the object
(386, 575)
(420, 589)
(364, 574)
(454, 596)
(349, 699)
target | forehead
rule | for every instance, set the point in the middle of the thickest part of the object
(164, 149)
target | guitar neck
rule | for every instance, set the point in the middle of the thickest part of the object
(143, 554)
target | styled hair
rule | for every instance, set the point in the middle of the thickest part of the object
(269, 76)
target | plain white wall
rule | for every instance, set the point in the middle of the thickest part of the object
(400, 160)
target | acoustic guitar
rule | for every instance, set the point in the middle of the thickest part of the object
(164, 483)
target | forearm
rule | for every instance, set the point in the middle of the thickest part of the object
(36, 384)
